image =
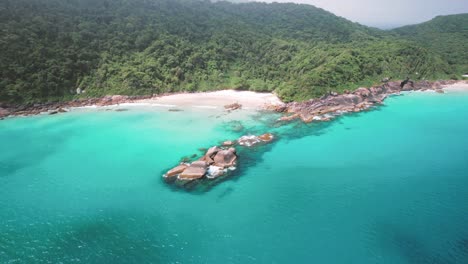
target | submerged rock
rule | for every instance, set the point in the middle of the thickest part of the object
(252, 140)
(248, 141)
(266, 137)
(228, 143)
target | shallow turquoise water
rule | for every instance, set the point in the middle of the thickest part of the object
(385, 186)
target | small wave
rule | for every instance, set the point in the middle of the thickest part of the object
(205, 106)
(133, 104)
(85, 107)
(163, 105)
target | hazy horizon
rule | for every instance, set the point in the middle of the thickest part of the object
(384, 13)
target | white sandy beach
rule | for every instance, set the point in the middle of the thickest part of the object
(217, 99)
(458, 87)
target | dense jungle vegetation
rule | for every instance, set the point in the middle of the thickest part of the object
(50, 48)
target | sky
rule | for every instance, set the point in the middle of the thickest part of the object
(387, 13)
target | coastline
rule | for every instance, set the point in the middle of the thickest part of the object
(329, 106)
(318, 109)
(221, 100)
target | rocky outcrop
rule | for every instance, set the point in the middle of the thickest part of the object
(212, 165)
(332, 104)
(215, 163)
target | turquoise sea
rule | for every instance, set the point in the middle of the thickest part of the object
(385, 186)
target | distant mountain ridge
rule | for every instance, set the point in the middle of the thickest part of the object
(51, 48)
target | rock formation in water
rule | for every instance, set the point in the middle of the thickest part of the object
(232, 107)
(216, 162)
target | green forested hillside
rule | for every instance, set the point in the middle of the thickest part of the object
(49, 48)
(446, 35)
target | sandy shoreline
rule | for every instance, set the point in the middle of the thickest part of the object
(248, 99)
(461, 86)
(215, 100)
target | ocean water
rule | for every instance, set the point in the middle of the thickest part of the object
(385, 186)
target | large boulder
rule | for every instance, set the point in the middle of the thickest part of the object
(195, 171)
(225, 158)
(209, 155)
(175, 171)
(212, 151)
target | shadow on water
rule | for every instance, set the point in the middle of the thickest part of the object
(411, 247)
(48, 143)
(225, 193)
(116, 238)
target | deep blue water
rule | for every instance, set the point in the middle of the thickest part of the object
(384, 186)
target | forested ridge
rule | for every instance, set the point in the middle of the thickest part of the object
(49, 48)
(445, 35)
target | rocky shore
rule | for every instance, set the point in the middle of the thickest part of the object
(60, 107)
(215, 164)
(319, 109)
(333, 104)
